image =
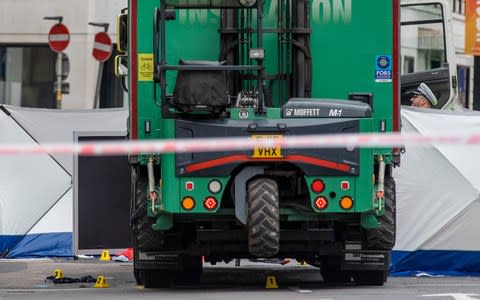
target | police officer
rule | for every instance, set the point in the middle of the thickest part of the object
(423, 97)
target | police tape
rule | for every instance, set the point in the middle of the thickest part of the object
(348, 141)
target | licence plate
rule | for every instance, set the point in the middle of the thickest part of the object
(270, 151)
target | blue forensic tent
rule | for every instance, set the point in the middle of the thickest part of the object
(36, 203)
(438, 188)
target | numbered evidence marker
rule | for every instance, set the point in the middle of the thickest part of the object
(271, 282)
(105, 255)
(101, 282)
(58, 274)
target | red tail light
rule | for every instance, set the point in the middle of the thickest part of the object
(318, 186)
(210, 203)
(321, 202)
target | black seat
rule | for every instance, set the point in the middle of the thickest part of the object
(200, 89)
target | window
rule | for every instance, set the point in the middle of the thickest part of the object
(408, 64)
(423, 36)
(27, 75)
(424, 51)
(458, 6)
(463, 87)
(111, 91)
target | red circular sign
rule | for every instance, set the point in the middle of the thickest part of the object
(102, 46)
(58, 37)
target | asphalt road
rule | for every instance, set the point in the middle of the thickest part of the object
(25, 279)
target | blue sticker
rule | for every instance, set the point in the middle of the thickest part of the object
(383, 68)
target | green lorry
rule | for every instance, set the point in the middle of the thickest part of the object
(264, 70)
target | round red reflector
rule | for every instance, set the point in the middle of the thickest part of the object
(321, 202)
(210, 203)
(318, 186)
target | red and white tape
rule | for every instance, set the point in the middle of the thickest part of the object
(231, 144)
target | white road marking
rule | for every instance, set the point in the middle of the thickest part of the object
(456, 296)
(42, 290)
(443, 284)
(299, 290)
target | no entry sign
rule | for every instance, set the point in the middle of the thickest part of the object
(102, 46)
(58, 37)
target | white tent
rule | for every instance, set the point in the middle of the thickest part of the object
(36, 206)
(438, 197)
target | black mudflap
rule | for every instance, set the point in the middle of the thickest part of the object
(157, 261)
(157, 270)
(360, 260)
(360, 267)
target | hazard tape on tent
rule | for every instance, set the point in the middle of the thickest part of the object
(231, 144)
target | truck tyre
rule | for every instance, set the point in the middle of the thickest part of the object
(263, 217)
(157, 279)
(383, 237)
(331, 271)
(138, 274)
(145, 238)
(192, 270)
(190, 273)
(370, 277)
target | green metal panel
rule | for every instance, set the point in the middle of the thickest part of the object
(201, 192)
(170, 183)
(192, 36)
(148, 111)
(347, 36)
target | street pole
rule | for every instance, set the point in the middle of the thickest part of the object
(58, 90)
(96, 102)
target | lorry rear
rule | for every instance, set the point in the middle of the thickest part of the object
(263, 70)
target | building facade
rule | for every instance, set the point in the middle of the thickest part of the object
(465, 63)
(27, 64)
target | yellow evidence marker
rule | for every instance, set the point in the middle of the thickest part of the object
(58, 274)
(271, 282)
(105, 255)
(101, 282)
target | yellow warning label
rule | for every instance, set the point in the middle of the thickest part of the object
(145, 67)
